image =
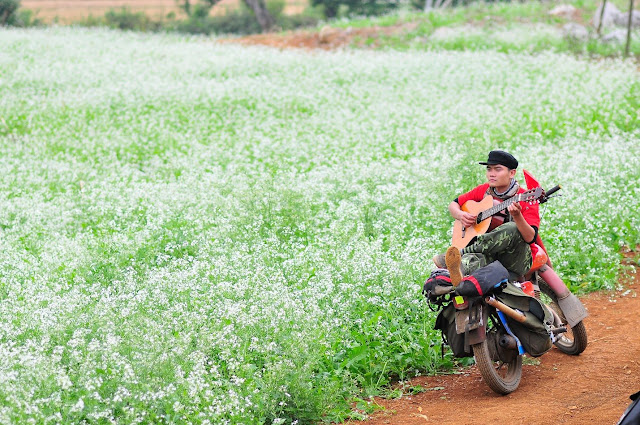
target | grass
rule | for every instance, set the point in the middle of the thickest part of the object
(525, 27)
(190, 237)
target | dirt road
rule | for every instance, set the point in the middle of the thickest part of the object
(591, 388)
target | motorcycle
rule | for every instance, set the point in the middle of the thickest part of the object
(484, 326)
(548, 287)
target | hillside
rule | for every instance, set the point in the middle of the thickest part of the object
(529, 27)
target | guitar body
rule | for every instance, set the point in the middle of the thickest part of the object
(496, 220)
(462, 236)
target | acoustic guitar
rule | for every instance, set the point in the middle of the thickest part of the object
(485, 210)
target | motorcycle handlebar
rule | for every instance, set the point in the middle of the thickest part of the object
(553, 190)
(549, 192)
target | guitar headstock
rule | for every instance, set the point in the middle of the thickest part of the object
(532, 196)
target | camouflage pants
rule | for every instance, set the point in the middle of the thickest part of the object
(504, 244)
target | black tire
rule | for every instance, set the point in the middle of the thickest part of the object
(572, 342)
(503, 378)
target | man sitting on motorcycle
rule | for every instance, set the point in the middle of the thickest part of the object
(512, 243)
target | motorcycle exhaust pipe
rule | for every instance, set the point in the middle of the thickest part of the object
(514, 314)
(508, 342)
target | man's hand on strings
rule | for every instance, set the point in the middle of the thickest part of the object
(467, 219)
(515, 210)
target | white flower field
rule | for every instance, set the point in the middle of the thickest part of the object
(202, 233)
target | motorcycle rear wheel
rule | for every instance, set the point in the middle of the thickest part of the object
(572, 342)
(502, 377)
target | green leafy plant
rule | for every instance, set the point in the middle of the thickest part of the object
(8, 9)
(194, 237)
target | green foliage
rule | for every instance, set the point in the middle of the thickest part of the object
(357, 7)
(12, 14)
(192, 241)
(504, 27)
(8, 10)
(200, 20)
(241, 21)
(478, 13)
(125, 19)
(386, 343)
(275, 7)
(27, 18)
(238, 21)
(419, 4)
(507, 27)
(306, 19)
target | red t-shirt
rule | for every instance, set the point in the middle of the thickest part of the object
(530, 212)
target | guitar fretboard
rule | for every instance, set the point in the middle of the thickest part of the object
(497, 208)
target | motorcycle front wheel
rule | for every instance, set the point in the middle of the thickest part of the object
(502, 377)
(572, 342)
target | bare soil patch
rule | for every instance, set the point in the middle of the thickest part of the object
(593, 387)
(326, 39)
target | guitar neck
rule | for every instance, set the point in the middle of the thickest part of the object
(497, 208)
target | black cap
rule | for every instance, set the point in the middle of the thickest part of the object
(502, 158)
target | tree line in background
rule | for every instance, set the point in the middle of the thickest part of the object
(253, 16)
